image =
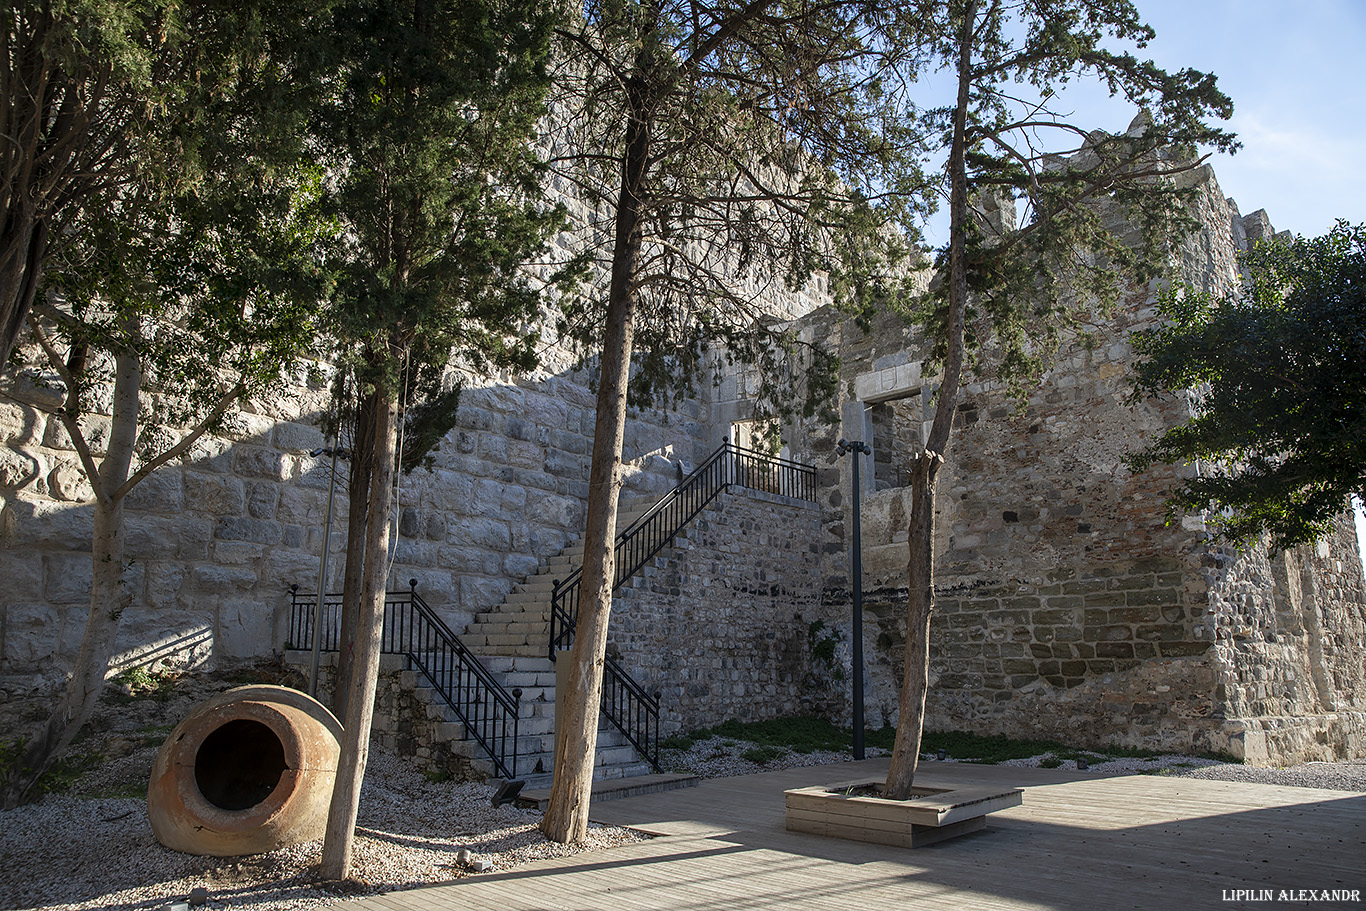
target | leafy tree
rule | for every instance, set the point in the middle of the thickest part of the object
(83, 80)
(1277, 381)
(162, 280)
(437, 189)
(1009, 289)
(725, 151)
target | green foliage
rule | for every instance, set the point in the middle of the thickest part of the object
(761, 755)
(1276, 380)
(208, 256)
(823, 644)
(773, 151)
(436, 185)
(60, 777)
(1030, 276)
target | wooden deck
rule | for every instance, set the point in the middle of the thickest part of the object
(1079, 841)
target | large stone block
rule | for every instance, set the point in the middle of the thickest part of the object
(243, 629)
(67, 481)
(182, 638)
(18, 469)
(481, 593)
(156, 537)
(95, 430)
(215, 494)
(22, 573)
(164, 579)
(487, 533)
(259, 462)
(19, 424)
(263, 500)
(552, 509)
(293, 437)
(31, 633)
(67, 578)
(46, 524)
(239, 528)
(161, 491)
(461, 560)
(305, 506)
(217, 579)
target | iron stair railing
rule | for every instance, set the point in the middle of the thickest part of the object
(412, 629)
(631, 709)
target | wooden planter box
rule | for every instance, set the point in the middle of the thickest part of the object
(840, 811)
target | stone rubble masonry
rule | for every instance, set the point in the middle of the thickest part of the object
(1067, 606)
(719, 626)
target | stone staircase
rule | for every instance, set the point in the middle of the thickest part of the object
(511, 641)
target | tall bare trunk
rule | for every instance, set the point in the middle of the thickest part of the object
(915, 683)
(360, 705)
(358, 496)
(920, 533)
(566, 815)
(109, 596)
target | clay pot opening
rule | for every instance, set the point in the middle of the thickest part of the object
(239, 765)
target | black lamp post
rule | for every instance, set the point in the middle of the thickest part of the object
(857, 447)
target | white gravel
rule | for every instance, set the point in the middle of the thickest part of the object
(69, 853)
(717, 757)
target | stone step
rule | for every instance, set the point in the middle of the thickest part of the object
(613, 788)
(502, 665)
(511, 624)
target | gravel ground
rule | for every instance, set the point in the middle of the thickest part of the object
(72, 853)
(716, 757)
(94, 848)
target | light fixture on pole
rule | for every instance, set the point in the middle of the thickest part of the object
(857, 447)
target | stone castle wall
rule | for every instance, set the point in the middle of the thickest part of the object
(1067, 607)
(215, 541)
(721, 626)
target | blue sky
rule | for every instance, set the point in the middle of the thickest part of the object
(1293, 72)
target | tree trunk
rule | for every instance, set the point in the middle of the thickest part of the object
(360, 705)
(109, 596)
(915, 683)
(358, 496)
(23, 250)
(566, 815)
(920, 533)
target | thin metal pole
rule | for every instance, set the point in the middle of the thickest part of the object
(858, 614)
(322, 574)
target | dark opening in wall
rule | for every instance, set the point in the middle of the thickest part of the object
(239, 765)
(897, 441)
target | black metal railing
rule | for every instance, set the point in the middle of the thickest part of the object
(625, 702)
(411, 628)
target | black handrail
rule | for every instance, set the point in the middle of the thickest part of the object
(411, 628)
(625, 702)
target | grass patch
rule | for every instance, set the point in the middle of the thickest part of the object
(761, 755)
(806, 734)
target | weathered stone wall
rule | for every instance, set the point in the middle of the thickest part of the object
(1067, 607)
(215, 540)
(1290, 630)
(404, 721)
(722, 625)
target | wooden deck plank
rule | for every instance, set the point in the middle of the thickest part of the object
(1079, 841)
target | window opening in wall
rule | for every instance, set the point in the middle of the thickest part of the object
(898, 437)
(761, 436)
